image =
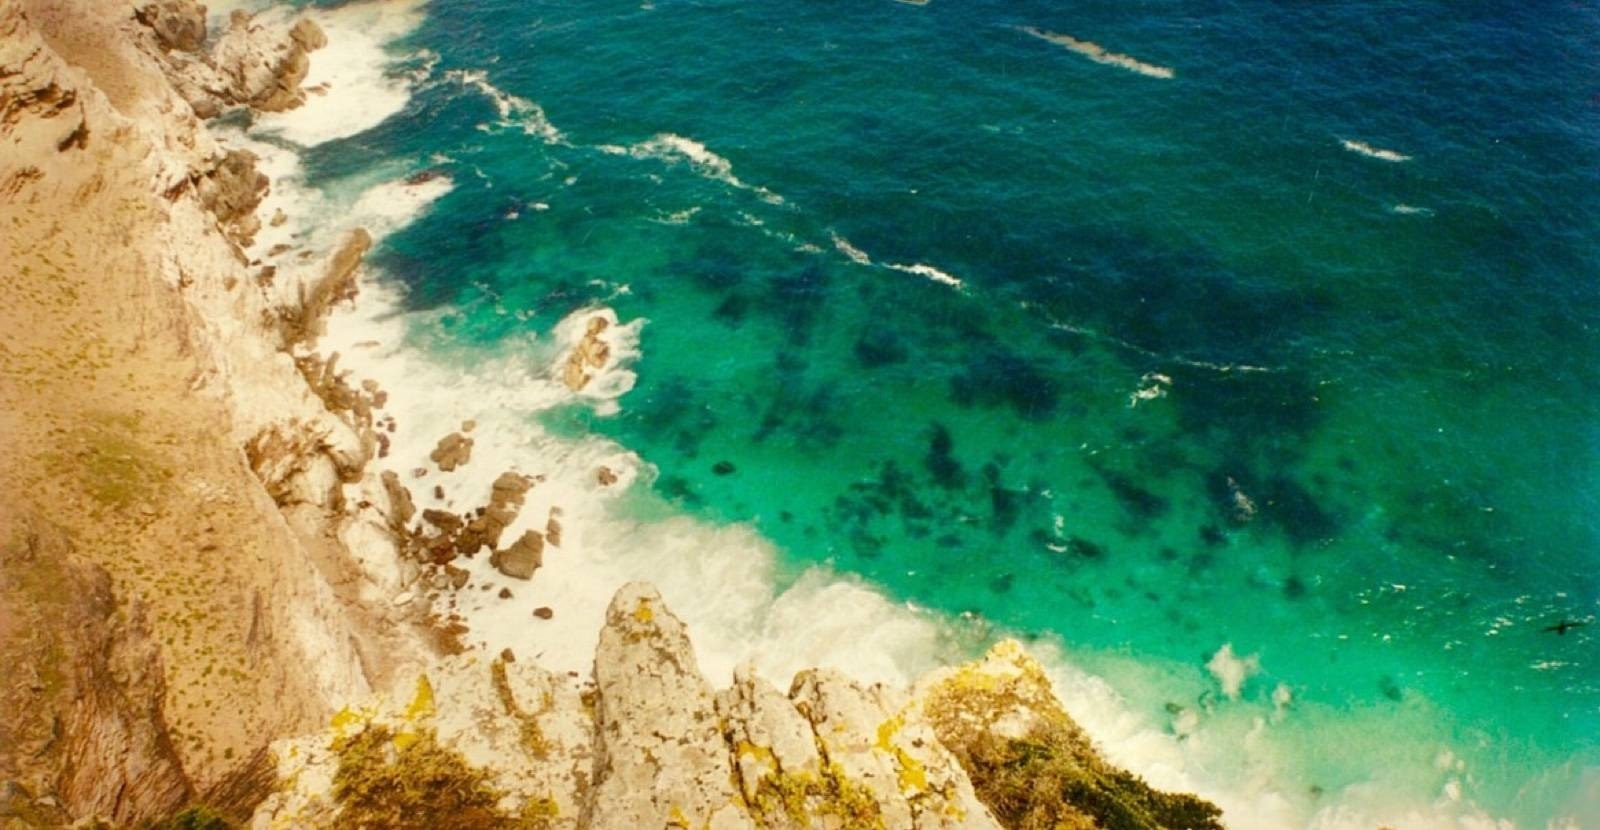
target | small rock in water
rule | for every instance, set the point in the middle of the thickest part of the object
(452, 451)
(507, 656)
(505, 593)
(723, 468)
(523, 557)
(438, 491)
(605, 477)
(544, 612)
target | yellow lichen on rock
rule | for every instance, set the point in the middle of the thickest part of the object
(1031, 763)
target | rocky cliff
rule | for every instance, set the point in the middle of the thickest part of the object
(198, 561)
(645, 741)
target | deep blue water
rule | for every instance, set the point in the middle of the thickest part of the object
(1376, 458)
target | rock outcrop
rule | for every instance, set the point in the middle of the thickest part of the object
(179, 25)
(647, 742)
(591, 354)
(263, 64)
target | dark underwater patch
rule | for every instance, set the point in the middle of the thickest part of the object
(877, 347)
(1005, 506)
(1139, 502)
(795, 300)
(1279, 500)
(732, 310)
(996, 376)
(1083, 548)
(941, 463)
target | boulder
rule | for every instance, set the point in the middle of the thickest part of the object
(452, 451)
(591, 353)
(178, 24)
(401, 507)
(523, 557)
(232, 190)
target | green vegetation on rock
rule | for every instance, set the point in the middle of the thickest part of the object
(1045, 775)
(408, 780)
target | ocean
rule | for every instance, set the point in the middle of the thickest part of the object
(1239, 357)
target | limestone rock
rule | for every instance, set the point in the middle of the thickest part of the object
(505, 502)
(661, 760)
(263, 64)
(178, 24)
(522, 731)
(333, 283)
(231, 191)
(452, 451)
(401, 507)
(591, 353)
(524, 556)
(37, 91)
(770, 738)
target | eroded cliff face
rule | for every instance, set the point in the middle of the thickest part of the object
(645, 741)
(188, 617)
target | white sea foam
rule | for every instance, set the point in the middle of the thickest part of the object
(1410, 210)
(930, 272)
(860, 257)
(675, 149)
(357, 90)
(1098, 54)
(855, 254)
(515, 111)
(677, 217)
(1365, 149)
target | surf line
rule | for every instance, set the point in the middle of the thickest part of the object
(1099, 54)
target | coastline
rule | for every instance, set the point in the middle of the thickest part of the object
(324, 465)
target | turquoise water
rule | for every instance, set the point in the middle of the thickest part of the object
(1370, 450)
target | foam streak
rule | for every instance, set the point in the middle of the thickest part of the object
(1099, 54)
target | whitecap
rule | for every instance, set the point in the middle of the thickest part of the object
(674, 149)
(854, 254)
(515, 111)
(932, 273)
(1099, 54)
(1365, 149)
